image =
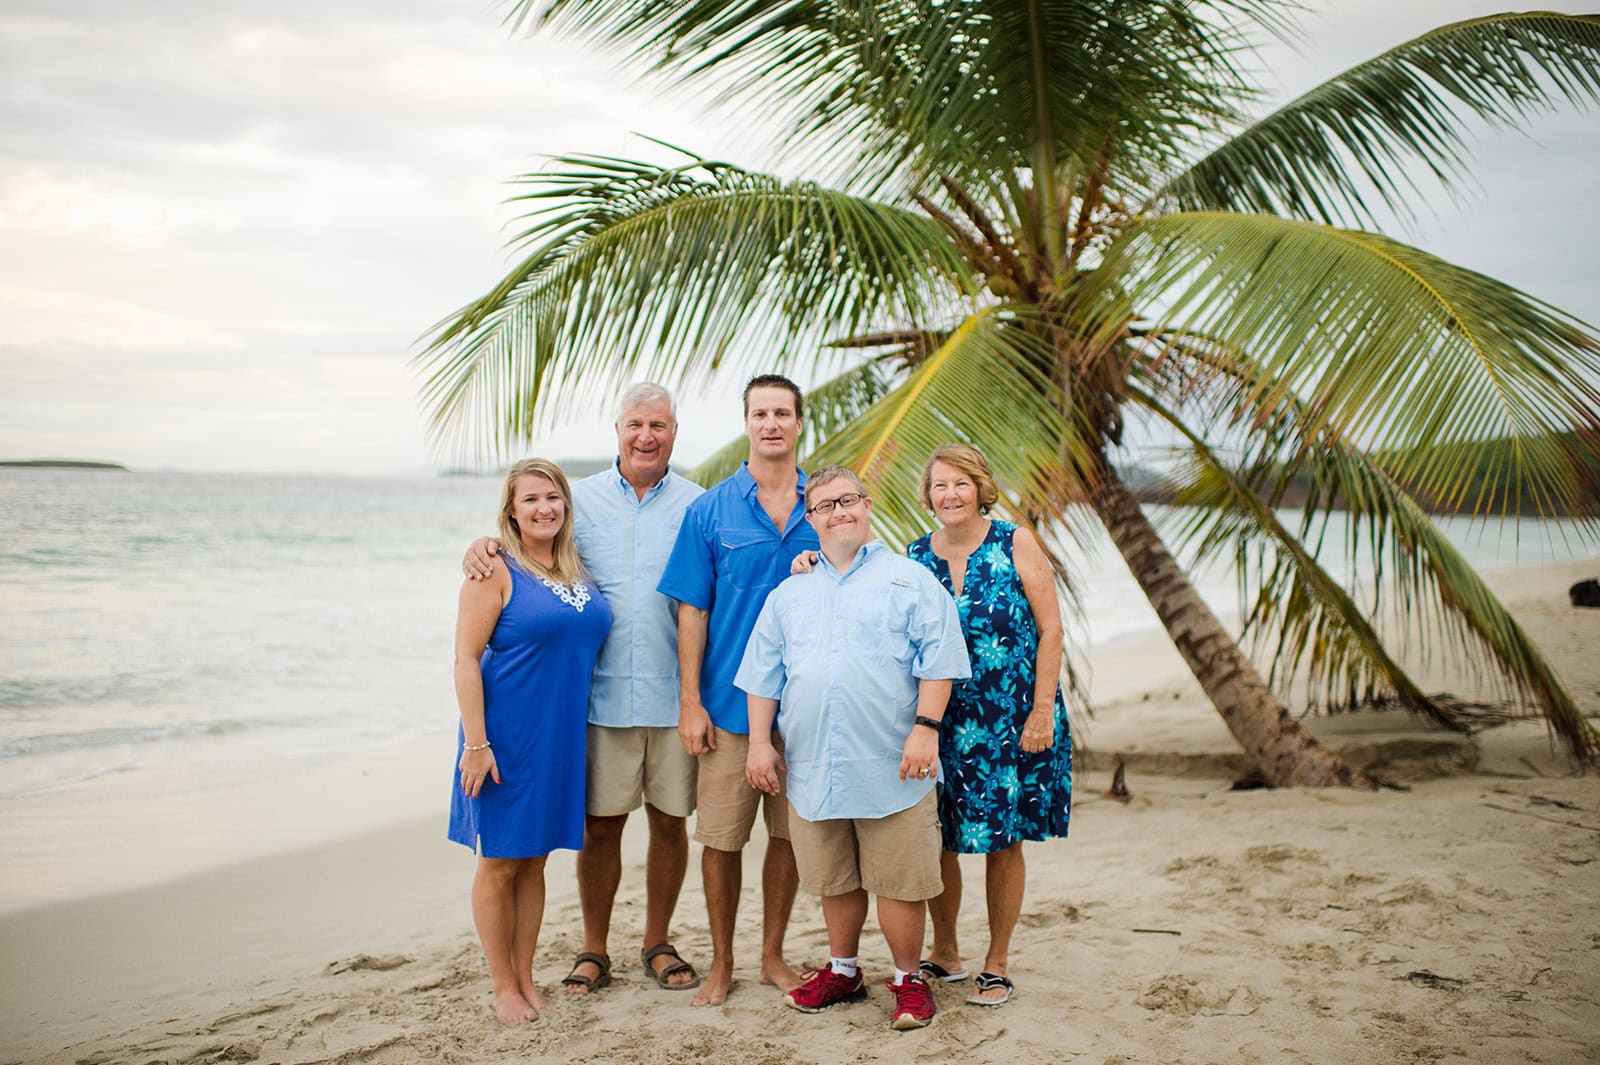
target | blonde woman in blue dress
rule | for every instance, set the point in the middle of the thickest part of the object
(526, 642)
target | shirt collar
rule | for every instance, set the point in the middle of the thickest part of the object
(745, 481)
(623, 482)
(868, 549)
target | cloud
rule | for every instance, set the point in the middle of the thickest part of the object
(227, 223)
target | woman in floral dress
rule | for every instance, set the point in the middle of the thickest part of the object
(1005, 750)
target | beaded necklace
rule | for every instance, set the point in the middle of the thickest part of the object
(575, 595)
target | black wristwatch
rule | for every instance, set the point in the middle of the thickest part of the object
(928, 721)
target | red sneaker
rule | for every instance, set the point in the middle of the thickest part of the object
(823, 988)
(913, 1003)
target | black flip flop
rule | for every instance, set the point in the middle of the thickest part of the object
(934, 971)
(988, 982)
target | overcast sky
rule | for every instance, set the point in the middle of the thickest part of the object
(224, 224)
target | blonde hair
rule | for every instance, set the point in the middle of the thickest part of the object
(970, 461)
(568, 568)
(825, 474)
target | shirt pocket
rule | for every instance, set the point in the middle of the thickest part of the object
(881, 622)
(803, 632)
(655, 548)
(747, 561)
(600, 545)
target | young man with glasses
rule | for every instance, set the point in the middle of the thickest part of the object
(854, 661)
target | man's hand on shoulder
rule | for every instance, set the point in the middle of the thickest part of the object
(479, 562)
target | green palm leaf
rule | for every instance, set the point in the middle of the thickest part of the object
(1298, 605)
(1426, 569)
(1356, 136)
(634, 268)
(967, 89)
(1017, 426)
(1387, 347)
(1301, 610)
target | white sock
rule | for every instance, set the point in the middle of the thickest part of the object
(900, 975)
(844, 966)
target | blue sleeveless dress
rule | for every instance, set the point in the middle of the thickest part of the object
(994, 793)
(536, 672)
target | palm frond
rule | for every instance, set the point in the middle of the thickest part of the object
(637, 268)
(1017, 426)
(1389, 349)
(891, 87)
(1354, 141)
(1297, 605)
(1434, 590)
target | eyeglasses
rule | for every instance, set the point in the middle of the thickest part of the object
(849, 499)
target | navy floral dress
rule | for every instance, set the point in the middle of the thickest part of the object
(994, 792)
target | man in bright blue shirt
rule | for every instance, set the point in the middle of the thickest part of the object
(856, 659)
(735, 546)
(625, 520)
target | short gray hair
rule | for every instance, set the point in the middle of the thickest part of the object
(644, 393)
(817, 478)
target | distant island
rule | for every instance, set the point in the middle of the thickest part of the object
(64, 464)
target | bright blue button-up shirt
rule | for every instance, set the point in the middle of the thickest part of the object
(625, 540)
(729, 555)
(842, 654)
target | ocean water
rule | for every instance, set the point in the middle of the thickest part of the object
(217, 620)
(148, 619)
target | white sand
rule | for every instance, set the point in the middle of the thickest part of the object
(1453, 922)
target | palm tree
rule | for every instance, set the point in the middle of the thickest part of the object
(1048, 222)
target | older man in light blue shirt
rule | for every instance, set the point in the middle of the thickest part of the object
(625, 521)
(860, 655)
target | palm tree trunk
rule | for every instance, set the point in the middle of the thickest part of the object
(1286, 754)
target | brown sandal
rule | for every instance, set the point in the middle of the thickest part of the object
(590, 984)
(678, 966)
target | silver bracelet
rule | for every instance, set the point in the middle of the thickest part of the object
(475, 747)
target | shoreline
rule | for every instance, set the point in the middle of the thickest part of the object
(318, 913)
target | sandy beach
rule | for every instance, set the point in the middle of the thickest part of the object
(319, 915)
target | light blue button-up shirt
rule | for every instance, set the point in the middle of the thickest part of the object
(625, 541)
(842, 653)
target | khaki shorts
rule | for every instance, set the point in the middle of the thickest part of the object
(727, 801)
(895, 856)
(629, 766)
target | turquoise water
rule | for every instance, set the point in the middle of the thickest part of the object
(153, 619)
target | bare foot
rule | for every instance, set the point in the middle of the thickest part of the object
(535, 998)
(714, 992)
(512, 1008)
(778, 974)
